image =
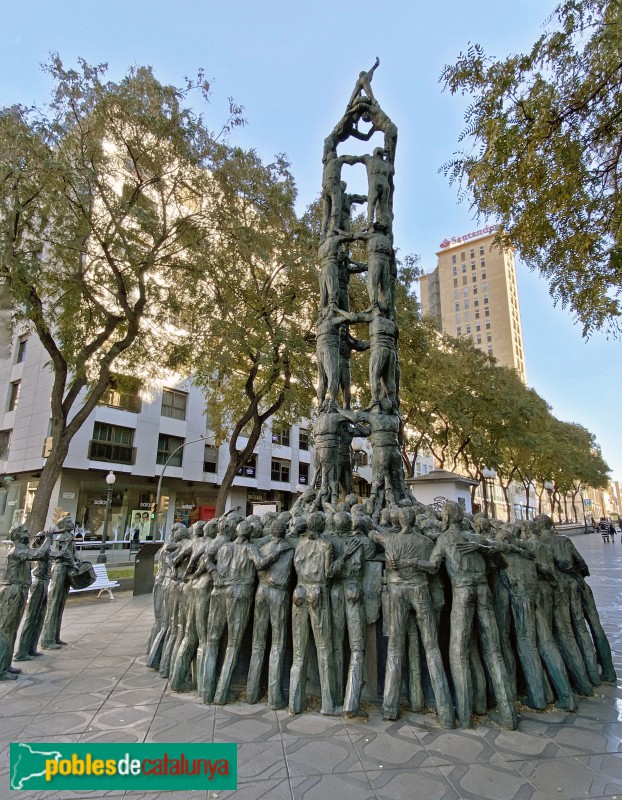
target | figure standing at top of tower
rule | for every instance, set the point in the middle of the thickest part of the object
(363, 84)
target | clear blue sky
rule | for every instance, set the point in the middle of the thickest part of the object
(293, 66)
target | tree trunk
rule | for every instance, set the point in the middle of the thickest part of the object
(507, 500)
(47, 482)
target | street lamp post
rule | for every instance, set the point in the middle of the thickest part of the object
(489, 477)
(110, 480)
(583, 510)
(159, 489)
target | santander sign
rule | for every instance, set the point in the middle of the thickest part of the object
(473, 235)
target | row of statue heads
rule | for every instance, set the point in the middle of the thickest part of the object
(469, 604)
(35, 599)
(336, 425)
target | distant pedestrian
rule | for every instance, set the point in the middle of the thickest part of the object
(603, 527)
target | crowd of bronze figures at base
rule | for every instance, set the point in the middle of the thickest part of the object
(39, 598)
(478, 613)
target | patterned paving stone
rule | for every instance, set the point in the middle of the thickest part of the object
(566, 778)
(51, 724)
(245, 723)
(517, 746)
(459, 747)
(353, 786)
(261, 761)
(182, 722)
(399, 750)
(492, 781)
(309, 724)
(258, 790)
(313, 756)
(393, 784)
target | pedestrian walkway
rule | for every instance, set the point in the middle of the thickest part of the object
(97, 689)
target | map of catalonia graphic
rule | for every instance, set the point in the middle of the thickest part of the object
(32, 756)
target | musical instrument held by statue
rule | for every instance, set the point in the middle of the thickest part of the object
(82, 576)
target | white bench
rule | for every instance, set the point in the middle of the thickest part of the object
(102, 582)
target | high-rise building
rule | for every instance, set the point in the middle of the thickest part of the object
(472, 292)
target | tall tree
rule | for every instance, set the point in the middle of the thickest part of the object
(106, 216)
(546, 154)
(254, 353)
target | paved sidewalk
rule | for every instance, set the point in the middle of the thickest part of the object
(98, 689)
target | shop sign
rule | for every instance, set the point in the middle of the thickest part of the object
(473, 235)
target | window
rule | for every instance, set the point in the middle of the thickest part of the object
(464, 268)
(465, 291)
(455, 282)
(14, 391)
(5, 443)
(20, 356)
(303, 473)
(455, 271)
(487, 324)
(490, 349)
(464, 280)
(249, 470)
(174, 404)
(489, 337)
(483, 274)
(303, 440)
(485, 288)
(280, 470)
(456, 294)
(474, 278)
(112, 443)
(485, 300)
(122, 393)
(476, 301)
(466, 304)
(479, 339)
(481, 250)
(472, 253)
(167, 445)
(458, 331)
(478, 325)
(453, 259)
(472, 265)
(467, 316)
(477, 315)
(482, 262)
(457, 307)
(210, 459)
(280, 436)
(457, 318)
(361, 458)
(475, 290)
(468, 329)
(463, 256)
(486, 310)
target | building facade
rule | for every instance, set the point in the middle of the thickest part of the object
(132, 432)
(473, 292)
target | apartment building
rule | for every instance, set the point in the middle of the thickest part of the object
(472, 292)
(132, 432)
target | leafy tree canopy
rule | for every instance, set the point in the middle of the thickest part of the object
(545, 135)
